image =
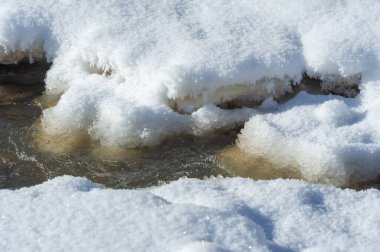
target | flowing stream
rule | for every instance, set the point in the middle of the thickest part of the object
(22, 163)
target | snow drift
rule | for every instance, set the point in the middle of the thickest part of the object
(189, 215)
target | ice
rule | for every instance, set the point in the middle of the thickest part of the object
(218, 214)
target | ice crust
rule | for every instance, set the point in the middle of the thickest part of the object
(133, 73)
(234, 214)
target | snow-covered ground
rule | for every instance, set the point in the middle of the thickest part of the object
(73, 214)
(133, 73)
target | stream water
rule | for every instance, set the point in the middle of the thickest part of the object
(22, 163)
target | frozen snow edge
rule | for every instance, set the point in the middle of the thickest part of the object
(220, 214)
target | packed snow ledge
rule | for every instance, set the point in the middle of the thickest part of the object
(134, 73)
(73, 214)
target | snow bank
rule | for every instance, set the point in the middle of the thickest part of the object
(74, 214)
(328, 138)
(134, 73)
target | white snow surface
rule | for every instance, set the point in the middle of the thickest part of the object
(236, 214)
(328, 138)
(126, 68)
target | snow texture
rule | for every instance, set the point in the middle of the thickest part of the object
(73, 214)
(328, 138)
(132, 73)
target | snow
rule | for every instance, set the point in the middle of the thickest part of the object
(328, 138)
(135, 73)
(235, 214)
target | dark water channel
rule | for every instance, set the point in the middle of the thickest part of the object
(22, 164)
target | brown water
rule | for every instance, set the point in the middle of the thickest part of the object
(22, 163)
